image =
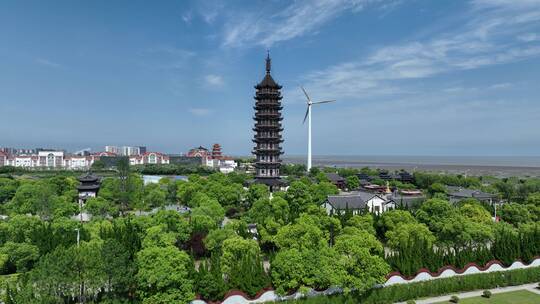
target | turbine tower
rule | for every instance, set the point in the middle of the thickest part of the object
(308, 117)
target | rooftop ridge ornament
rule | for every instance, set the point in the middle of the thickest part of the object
(268, 62)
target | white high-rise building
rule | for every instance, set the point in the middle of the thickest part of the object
(129, 151)
(112, 149)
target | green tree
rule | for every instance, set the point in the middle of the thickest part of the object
(299, 198)
(208, 207)
(269, 215)
(433, 212)
(164, 276)
(390, 220)
(22, 256)
(119, 269)
(124, 183)
(100, 207)
(154, 196)
(353, 182)
(475, 212)
(363, 222)
(399, 236)
(361, 257)
(515, 214)
(533, 199)
(305, 234)
(257, 192)
(233, 250)
(209, 280)
(437, 188)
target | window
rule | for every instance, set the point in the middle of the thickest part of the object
(50, 160)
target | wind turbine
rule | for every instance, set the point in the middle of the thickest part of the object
(308, 117)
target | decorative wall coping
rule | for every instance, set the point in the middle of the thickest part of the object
(268, 294)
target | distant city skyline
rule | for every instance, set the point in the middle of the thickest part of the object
(411, 77)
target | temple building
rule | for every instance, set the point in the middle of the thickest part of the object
(268, 130)
(88, 187)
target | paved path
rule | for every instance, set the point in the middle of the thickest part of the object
(477, 293)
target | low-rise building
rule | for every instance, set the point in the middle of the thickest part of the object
(456, 194)
(198, 152)
(154, 158)
(358, 202)
(337, 180)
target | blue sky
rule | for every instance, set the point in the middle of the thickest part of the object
(411, 77)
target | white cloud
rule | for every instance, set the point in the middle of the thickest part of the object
(49, 63)
(214, 80)
(166, 57)
(209, 10)
(199, 111)
(486, 39)
(187, 17)
(529, 37)
(297, 19)
(499, 86)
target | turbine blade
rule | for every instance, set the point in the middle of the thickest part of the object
(305, 93)
(305, 117)
(324, 101)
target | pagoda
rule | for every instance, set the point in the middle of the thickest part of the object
(216, 152)
(88, 187)
(268, 130)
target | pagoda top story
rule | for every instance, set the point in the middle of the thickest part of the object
(88, 183)
(268, 81)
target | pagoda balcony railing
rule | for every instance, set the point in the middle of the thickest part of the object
(267, 113)
(275, 107)
(268, 117)
(260, 129)
(266, 150)
(262, 136)
(260, 162)
(268, 140)
(267, 103)
(266, 90)
(270, 94)
(267, 165)
(267, 125)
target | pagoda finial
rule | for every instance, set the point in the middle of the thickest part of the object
(268, 61)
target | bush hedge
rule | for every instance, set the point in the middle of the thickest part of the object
(438, 287)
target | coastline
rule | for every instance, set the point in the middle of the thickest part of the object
(498, 166)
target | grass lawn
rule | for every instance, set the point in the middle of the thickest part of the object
(514, 297)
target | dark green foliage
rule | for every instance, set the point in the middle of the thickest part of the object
(248, 275)
(486, 294)
(209, 282)
(454, 299)
(293, 170)
(404, 292)
(172, 169)
(507, 247)
(126, 233)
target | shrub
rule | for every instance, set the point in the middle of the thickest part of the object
(486, 294)
(454, 299)
(411, 302)
(404, 292)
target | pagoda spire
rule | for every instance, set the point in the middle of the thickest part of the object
(268, 62)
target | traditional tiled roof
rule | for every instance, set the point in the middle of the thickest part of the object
(468, 193)
(335, 178)
(356, 200)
